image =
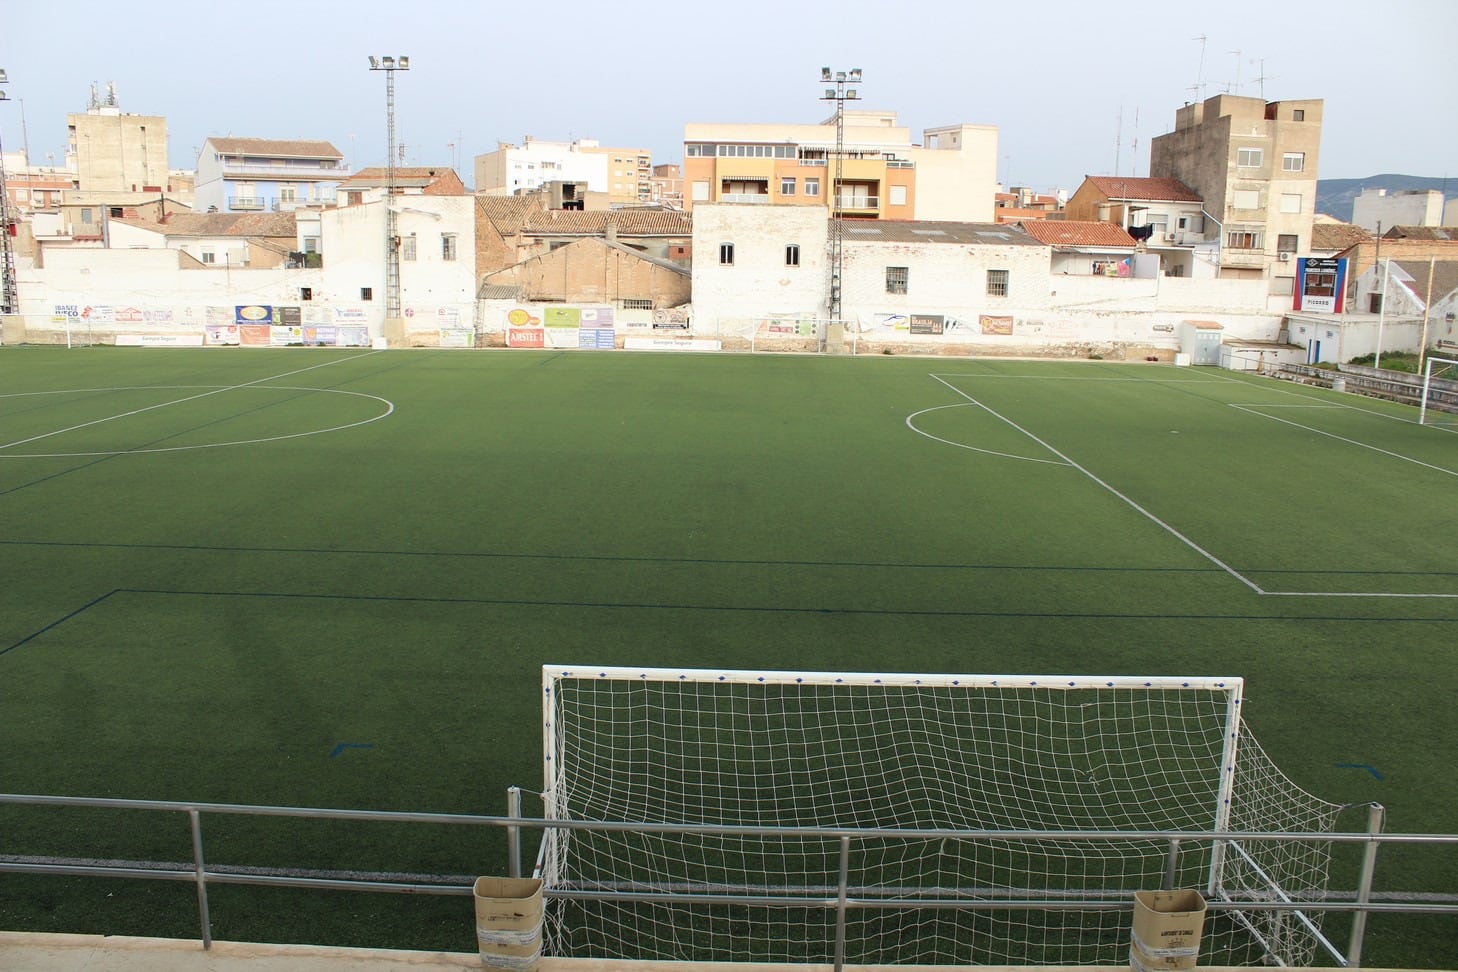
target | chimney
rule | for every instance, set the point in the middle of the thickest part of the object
(612, 228)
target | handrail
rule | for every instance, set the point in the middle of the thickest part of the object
(837, 899)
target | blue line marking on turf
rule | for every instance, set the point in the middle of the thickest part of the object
(343, 746)
(1361, 766)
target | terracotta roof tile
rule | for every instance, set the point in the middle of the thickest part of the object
(1147, 187)
(1421, 233)
(1064, 232)
(1337, 236)
(276, 225)
(630, 222)
(276, 148)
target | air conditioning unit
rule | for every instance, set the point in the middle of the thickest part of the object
(1169, 238)
(1283, 256)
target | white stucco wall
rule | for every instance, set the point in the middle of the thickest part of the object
(758, 284)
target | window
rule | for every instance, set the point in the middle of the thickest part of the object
(787, 186)
(407, 247)
(812, 187)
(208, 256)
(1290, 202)
(288, 194)
(311, 244)
(1287, 242)
(1374, 302)
(1247, 199)
(997, 283)
(86, 216)
(366, 293)
(1298, 114)
(792, 255)
(306, 293)
(898, 195)
(1293, 162)
(1241, 240)
(448, 246)
(701, 192)
(1250, 158)
(896, 280)
(353, 198)
(726, 254)
(637, 303)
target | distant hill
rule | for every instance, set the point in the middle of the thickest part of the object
(1334, 196)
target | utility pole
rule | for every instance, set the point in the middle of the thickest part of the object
(9, 298)
(839, 94)
(392, 226)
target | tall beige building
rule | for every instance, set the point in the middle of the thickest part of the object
(112, 151)
(1254, 163)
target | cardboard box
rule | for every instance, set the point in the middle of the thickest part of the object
(1166, 932)
(509, 922)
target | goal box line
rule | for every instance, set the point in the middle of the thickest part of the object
(554, 673)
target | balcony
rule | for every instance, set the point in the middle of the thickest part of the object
(240, 204)
(283, 172)
(857, 203)
(744, 197)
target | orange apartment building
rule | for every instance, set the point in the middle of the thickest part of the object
(950, 175)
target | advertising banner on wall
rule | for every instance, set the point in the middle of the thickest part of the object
(1321, 284)
(221, 334)
(927, 324)
(457, 337)
(525, 337)
(252, 314)
(995, 325)
(255, 335)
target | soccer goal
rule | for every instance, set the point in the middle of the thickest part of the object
(78, 332)
(1015, 762)
(1440, 393)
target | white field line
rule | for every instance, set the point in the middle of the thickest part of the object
(962, 445)
(1180, 536)
(1255, 410)
(1306, 396)
(1135, 506)
(180, 401)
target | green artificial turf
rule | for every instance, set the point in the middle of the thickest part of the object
(319, 578)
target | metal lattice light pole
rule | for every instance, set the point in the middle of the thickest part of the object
(839, 94)
(392, 228)
(9, 298)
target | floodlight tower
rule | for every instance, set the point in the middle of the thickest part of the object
(839, 94)
(392, 229)
(9, 300)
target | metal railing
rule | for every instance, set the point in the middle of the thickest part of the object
(839, 900)
(237, 203)
(744, 197)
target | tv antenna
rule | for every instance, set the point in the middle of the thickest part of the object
(1198, 88)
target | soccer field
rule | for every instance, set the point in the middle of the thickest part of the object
(330, 579)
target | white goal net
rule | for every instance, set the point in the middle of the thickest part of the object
(1029, 759)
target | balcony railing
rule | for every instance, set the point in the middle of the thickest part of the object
(744, 197)
(857, 202)
(303, 172)
(244, 203)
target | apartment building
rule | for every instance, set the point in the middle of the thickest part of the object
(112, 151)
(240, 175)
(623, 174)
(1377, 210)
(950, 175)
(1254, 165)
(629, 176)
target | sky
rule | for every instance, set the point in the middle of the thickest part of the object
(1074, 89)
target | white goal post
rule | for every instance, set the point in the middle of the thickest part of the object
(1439, 394)
(764, 755)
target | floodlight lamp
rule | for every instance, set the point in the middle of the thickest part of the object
(4, 78)
(404, 63)
(855, 75)
(840, 75)
(829, 95)
(374, 63)
(825, 74)
(851, 95)
(389, 62)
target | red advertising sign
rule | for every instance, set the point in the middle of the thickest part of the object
(255, 335)
(525, 337)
